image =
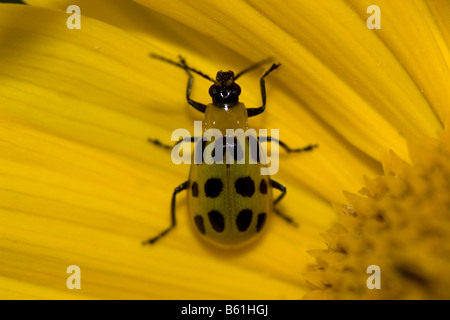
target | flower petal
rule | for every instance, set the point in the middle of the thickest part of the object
(81, 186)
(420, 47)
(365, 98)
(284, 110)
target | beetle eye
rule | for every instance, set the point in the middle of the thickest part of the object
(213, 90)
(236, 90)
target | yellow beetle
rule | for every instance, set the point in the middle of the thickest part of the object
(229, 204)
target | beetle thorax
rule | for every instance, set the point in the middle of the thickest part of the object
(233, 116)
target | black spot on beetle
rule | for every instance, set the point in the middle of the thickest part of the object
(263, 186)
(213, 187)
(243, 219)
(261, 221)
(198, 219)
(245, 186)
(194, 189)
(217, 221)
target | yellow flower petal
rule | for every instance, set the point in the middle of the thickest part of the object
(441, 10)
(304, 127)
(345, 92)
(425, 55)
(81, 186)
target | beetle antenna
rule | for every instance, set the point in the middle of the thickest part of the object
(182, 65)
(253, 66)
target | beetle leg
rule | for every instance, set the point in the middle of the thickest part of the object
(286, 147)
(251, 112)
(280, 187)
(196, 105)
(167, 146)
(178, 189)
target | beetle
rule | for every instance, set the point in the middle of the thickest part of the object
(229, 204)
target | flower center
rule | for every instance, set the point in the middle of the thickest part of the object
(401, 224)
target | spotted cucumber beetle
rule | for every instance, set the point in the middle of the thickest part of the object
(229, 204)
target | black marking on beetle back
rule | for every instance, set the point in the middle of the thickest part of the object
(217, 221)
(198, 219)
(245, 186)
(261, 221)
(243, 219)
(213, 187)
(194, 189)
(263, 186)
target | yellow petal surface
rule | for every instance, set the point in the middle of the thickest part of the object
(81, 186)
(419, 44)
(337, 66)
(286, 111)
(440, 10)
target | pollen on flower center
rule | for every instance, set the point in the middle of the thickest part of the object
(400, 223)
